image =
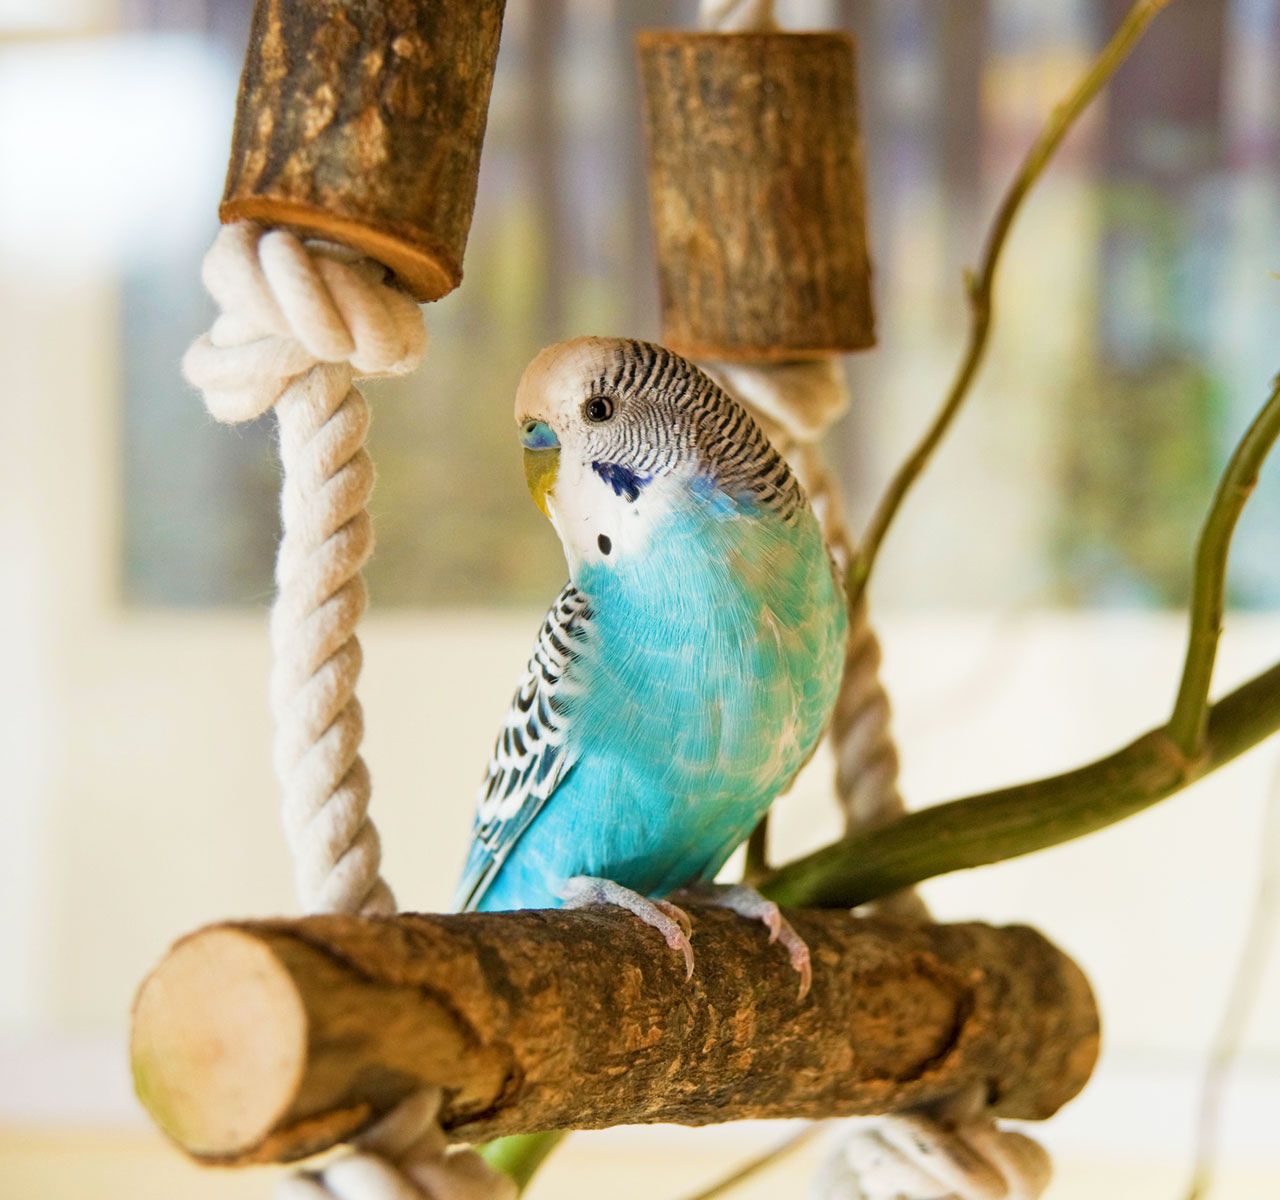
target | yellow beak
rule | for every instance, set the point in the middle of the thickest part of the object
(540, 468)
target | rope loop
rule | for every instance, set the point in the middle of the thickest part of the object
(288, 305)
(798, 400)
(910, 1156)
(424, 1167)
(737, 16)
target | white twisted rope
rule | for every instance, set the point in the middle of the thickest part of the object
(403, 1157)
(959, 1153)
(298, 323)
(736, 16)
(914, 1156)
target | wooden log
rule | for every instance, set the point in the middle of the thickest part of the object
(756, 188)
(271, 1040)
(361, 121)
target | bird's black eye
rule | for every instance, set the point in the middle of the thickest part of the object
(598, 409)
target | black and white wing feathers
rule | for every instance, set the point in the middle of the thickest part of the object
(530, 758)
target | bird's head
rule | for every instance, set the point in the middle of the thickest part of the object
(617, 433)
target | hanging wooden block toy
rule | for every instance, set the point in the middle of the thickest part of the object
(363, 124)
(756, 187)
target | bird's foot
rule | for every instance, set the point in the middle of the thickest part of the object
(582, 891)
(747, 902)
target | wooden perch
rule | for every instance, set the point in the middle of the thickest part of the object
(272, 1040)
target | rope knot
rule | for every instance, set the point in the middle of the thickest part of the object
(402, 1157)
(286, 306)
(915, 1156)
(737, 16)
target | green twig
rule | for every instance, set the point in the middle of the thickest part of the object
(979, 286)
(521, 1154)
(1030, 816)
(1242, 1000)
(1186, 725)
(755, 1165)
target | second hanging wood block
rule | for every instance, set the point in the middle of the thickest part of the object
(757, 193)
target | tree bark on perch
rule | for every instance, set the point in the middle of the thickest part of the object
(272, 1040)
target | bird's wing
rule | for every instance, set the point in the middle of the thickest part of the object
(531, 757)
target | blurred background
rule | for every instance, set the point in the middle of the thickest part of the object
(1029, 599)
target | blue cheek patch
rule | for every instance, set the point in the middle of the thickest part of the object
(623, 480)
(538, 435)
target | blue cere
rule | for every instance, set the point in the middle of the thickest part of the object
(538, 435)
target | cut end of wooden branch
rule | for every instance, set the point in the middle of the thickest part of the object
(424, 268)
(220, 1042)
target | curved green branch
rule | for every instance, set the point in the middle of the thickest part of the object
(1187, 723)
(980, 286)
(1029, 816)
(521, 1154)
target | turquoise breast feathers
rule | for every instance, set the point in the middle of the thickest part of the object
(696, 683)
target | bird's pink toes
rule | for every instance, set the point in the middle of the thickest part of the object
(668, 919)
(678, 939)
(747, 902)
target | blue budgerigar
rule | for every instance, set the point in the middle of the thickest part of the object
(688, 669)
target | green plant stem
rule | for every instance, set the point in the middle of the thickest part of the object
(1187, 723)
(755, 1165)
(980, 285)
(1030, 816)
(1242, 1001)
(521, 1154)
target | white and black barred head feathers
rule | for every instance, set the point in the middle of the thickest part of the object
(619, 431)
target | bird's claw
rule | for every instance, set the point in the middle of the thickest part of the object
(747, 902)
(677, 936)
(798, 952)
(677, 914)
(668, 919)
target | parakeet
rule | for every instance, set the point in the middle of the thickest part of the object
(688, 669)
